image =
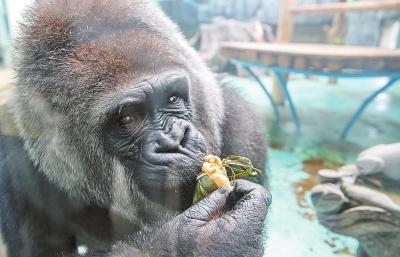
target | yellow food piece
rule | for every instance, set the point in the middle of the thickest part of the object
(212, 166)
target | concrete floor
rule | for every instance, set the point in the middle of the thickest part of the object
(295, 158)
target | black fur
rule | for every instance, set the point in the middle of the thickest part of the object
(77, 175)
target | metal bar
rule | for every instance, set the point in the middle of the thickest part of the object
(263, 87)
(365, 103)
(283, 86)
(394, 76)
(347, 74)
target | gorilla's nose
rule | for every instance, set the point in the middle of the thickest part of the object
(173, 138)
(163, 147)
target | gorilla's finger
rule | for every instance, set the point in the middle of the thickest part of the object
(243, 187)
(209, 207)
(251, 198)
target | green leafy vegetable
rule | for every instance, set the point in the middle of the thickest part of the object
(235, 166)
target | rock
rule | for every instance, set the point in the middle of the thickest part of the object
(366, 196)
(362, 200)
(381, 158)
(328, 198)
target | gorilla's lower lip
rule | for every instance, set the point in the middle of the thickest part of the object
(167, 159)
(182, 171)
(172, 187)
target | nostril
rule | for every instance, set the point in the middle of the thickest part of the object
(166, 146)
(185, 138)
(171, 142)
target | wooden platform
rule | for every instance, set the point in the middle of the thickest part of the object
(314, 56)
(317, 9)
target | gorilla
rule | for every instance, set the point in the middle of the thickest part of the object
(114, 113)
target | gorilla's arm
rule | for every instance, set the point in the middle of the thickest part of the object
(222, 224)
(27, 229)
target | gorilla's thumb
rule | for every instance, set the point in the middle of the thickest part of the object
(209, 207)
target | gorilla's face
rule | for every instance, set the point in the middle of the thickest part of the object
(113, 105)
(149, 128)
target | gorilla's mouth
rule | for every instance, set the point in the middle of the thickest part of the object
(169, 178)
(176, 170)
(171, 185)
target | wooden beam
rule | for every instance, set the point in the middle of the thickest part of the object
(283, 35)
(285, 21)
(334, 52)
(316, 9)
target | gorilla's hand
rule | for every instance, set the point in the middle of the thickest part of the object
(222, 224)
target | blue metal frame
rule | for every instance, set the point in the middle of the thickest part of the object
(283, 85)
(278, 71)
(364, 104)
(261, 84)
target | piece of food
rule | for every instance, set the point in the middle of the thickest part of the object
(216, 173)
(212, 166)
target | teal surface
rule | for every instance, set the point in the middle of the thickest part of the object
(294, 158)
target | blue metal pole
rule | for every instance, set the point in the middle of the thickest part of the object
(283, 85)
(261, 84)
(365, 103)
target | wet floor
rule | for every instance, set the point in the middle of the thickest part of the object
(295, 157)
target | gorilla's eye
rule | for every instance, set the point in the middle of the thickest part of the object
(130, 114)
(127, 120)
(173, 99)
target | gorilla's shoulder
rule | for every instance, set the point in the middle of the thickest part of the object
(243, 132)
(237, 106)
(9, 144)
(16, 168)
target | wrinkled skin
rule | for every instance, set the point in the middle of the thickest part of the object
(357, 200)
(114, 114)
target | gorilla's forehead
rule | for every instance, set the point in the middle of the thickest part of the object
(85, 19)
(126, 56)
(101, 13)
(96, 44)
